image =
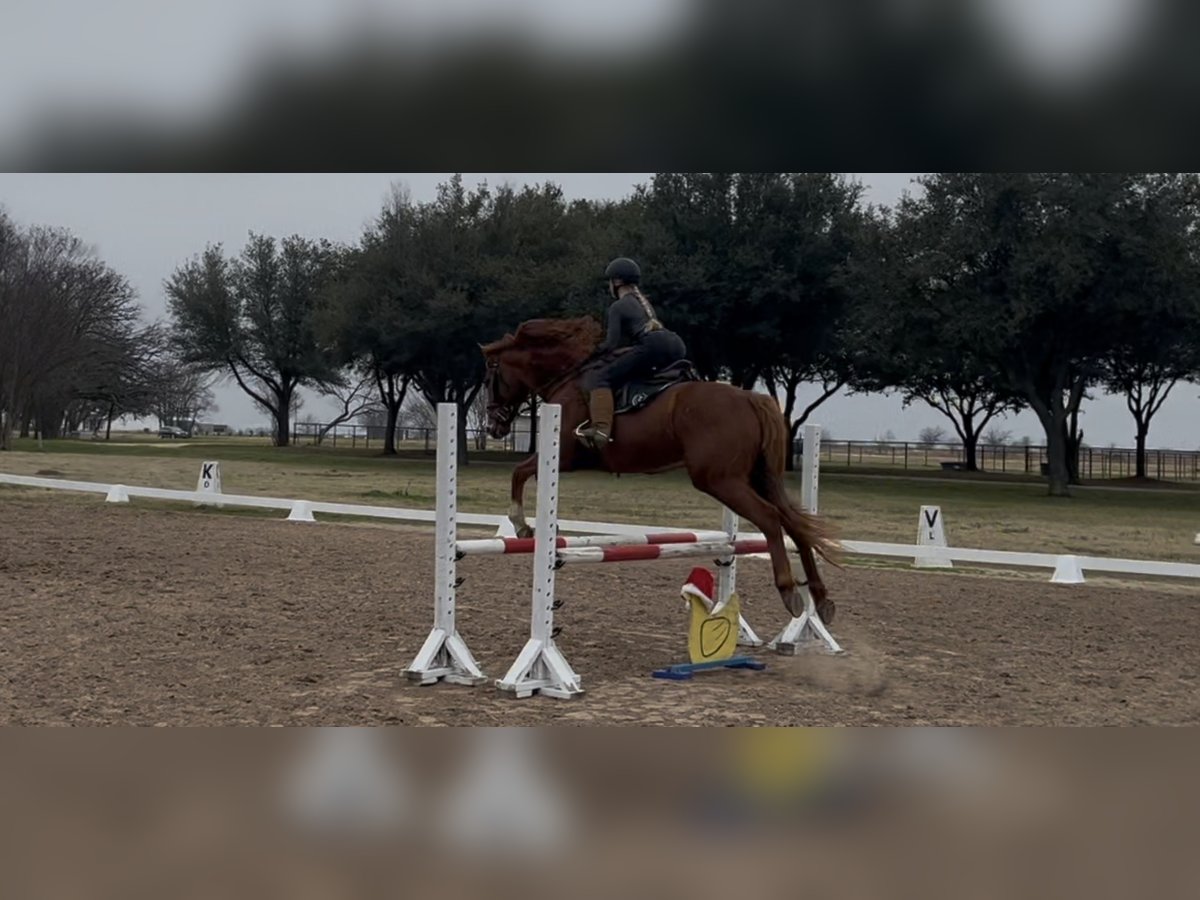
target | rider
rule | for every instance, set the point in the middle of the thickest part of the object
(631, 323)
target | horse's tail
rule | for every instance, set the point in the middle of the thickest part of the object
(768, 480)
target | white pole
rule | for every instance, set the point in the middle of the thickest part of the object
(445, 550)
(541, 623)
(445, 654)
(540, 667)
(727, 579)
(811, 468)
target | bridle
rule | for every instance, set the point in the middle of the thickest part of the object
(493, 384)
(504, 414)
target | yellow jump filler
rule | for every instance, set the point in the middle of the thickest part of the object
(712, 631)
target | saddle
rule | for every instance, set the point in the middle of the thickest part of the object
(641, 393)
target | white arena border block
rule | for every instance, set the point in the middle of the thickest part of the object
(445, 655)
(208, 484)
(806, 632)
(541, 667)
(931, 533)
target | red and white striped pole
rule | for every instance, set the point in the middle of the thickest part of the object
(504, 546)
(638, 552)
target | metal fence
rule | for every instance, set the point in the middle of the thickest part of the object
(1017, 459)
(407, 438)
(1094, 462)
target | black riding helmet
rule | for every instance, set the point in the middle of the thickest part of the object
(625, 270)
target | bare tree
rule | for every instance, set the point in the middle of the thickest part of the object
(933, 434)
(353, 396)
(181, 392)
(477, 419)
(997, 436)
(417, 412)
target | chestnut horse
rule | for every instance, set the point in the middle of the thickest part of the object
(732, 442)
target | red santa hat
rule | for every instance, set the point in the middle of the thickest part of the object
(700, 584)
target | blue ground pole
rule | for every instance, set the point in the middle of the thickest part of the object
(684, 671)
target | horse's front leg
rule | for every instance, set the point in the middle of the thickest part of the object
(528, 469)
(516, 509)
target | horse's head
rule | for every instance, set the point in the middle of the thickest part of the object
(539, 358)
(507, 383)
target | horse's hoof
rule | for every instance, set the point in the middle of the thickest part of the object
(826, 609)
(525, 531)
(793, 601)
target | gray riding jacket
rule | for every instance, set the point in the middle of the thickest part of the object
(629, 319)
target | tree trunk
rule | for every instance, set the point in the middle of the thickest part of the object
(790, 462)
(1142, 430)
(6, 420)
(51, 427)
(1074, 432)
(389, 431)
(463, 449)
(970, 448)
(1056, 452)
(283, 412)
(1053, 419)
(1074, 443)
(108, 422)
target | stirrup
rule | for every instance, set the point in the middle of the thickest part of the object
(591, 435)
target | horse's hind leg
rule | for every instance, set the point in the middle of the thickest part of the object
(826, 608)
(746, 502)
(800, 528)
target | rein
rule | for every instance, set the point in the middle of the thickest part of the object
(542, 392)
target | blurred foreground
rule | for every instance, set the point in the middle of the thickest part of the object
(527, 813)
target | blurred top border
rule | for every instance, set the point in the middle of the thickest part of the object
(887, 84)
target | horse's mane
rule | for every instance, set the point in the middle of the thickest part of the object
(553, 345)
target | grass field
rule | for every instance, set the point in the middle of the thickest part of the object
(1154, 523)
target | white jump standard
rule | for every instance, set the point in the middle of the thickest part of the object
(541, 667)
(445, 655)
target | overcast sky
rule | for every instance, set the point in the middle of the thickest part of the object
(146, 225)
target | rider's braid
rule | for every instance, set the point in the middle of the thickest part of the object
(654, 325)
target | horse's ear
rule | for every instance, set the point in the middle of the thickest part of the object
(496, 346)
